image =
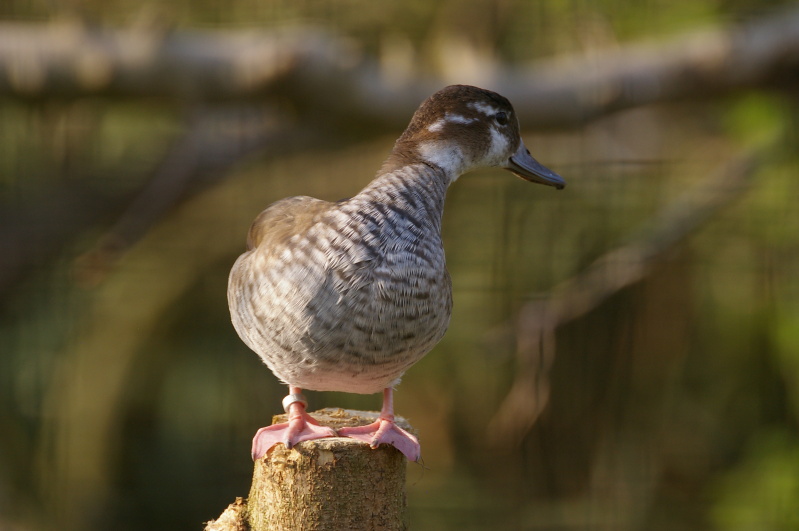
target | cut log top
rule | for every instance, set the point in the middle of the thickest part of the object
(334, 483)
(336, 417)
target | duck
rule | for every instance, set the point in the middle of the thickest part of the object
(348, 295)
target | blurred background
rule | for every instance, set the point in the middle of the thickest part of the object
(623, 354)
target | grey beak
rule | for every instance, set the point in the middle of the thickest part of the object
(525, 166)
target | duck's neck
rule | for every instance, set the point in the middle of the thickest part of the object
(410, 185)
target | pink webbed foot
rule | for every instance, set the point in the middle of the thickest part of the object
(300, 427)
(385, 431)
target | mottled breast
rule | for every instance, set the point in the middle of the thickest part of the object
(343, 296)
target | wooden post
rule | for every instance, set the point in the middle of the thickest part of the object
(334, 483)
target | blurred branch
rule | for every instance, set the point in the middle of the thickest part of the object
(214, 140)
(317, 71)
(32, 232)
(330, 85)
(69, 59)
(614, 271)
(763, 53)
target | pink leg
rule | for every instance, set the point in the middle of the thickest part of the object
(300, 427)
(384, 431)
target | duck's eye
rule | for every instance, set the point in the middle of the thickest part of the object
(501, 118)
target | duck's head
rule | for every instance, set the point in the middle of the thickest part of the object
(462, 128)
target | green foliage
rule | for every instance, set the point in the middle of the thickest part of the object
(761, 491)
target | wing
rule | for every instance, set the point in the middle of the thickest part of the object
(284, 219)
(298, 275)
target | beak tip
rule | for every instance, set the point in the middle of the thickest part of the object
(529, 169)
(557, 185)
(549, 179)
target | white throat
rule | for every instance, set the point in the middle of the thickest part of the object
(446, 155)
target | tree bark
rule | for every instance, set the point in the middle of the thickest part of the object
(334, 483)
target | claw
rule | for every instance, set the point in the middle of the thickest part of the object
(300, 427)
(385, 431)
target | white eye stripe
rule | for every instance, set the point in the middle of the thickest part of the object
(488, 110)
(458, 119)
(438, 125)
